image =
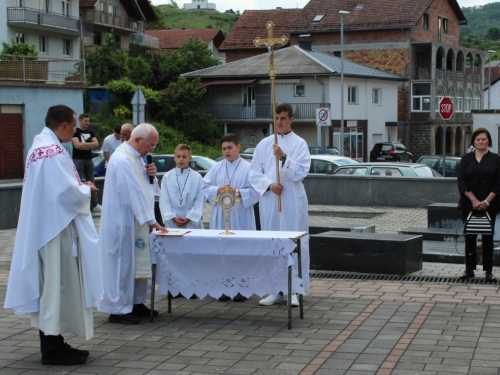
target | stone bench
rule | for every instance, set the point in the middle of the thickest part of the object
(391, 254)
(444, 215)
(316, 228)
(436, 234)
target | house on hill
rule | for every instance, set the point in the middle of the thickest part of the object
(238, 44)
(418, 39)
(199, 4)
(239, 96)
(170, 40)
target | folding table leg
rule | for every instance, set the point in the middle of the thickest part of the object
(301, 299)
(289, 297)
(153, 290)
(169, 299)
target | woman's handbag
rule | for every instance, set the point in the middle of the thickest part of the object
(478, 223)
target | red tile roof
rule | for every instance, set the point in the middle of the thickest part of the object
(373, 14)
(173, 39)
(252, 24)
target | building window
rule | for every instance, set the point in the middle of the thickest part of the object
(45, 6)
(476, 102)
(65, 8)
(468, 100)
(19, 3)
(97, 38)
(459, 101)
(352, 95)
(318, 18)
(451, 94)
(300, 90)
(20, 38)
(377, 96)
(439, 96)
(426, 21)
(445, 26)
(43, 45)
(421, 97)
(66, 47)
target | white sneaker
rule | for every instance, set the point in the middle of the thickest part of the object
(295, 300)
(271, 300)
(97, 208)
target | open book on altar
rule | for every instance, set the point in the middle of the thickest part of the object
(172, 233)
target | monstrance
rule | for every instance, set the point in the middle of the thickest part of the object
(226, 201)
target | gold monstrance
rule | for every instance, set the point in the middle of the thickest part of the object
(226, 201)
(270, 42)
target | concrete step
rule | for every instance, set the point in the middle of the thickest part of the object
(435, 234)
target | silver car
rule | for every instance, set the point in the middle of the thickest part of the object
(388, 170)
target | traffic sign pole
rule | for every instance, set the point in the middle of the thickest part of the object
(446, 111)
(444, 147)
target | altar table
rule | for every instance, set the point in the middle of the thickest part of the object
(204, 262)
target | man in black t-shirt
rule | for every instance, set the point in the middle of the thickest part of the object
(84, 141)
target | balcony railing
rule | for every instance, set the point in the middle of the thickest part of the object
(145, 40)
(31, 68)
(30, 16)
(301, 111)
(111, 20)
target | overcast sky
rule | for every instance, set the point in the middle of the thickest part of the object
(223, 5)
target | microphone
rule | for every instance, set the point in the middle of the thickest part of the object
(149, 158)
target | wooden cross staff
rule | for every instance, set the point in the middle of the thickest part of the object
(270, 42)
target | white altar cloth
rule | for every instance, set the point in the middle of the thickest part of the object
(203, 262)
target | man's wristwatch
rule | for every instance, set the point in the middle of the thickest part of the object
(283, 158)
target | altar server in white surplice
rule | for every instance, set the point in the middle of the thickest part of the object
(181, 198)
(126, 220)
(53, 275)
(294, 165)
(232, 172)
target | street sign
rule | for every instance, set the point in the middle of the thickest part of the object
(323, 117)
(446, 108)
(138, 104)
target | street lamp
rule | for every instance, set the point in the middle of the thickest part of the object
(342, 12)
(489, 76)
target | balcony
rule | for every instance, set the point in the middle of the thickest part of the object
(302, 111)
(56, 22)
(111, 20)
(145, 40)
(38, 69)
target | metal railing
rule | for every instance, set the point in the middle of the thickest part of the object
(33, 68)
(145, 40)
(110, 19)
(48, 19)
(261, 111)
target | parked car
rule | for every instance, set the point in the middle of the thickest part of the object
(247, 157)
(99, 163)
(320, 163)
(166, 162)
(249, 150)
(320, 150)
(390, 151)
(388, 170)
(436, 163)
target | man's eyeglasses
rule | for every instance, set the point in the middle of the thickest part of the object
(149, 144)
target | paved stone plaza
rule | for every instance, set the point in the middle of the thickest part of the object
(350, 327)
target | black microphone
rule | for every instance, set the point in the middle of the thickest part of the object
(149, 158)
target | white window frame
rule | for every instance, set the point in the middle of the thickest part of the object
(297, 88)
(422, 100)
(468, 101)
(352, 95)
(43, 45)
(476, 100)
(66, 8)
(21, 38)
(439, 96)
(377, 96)
(426, 20)
(67, 47)
(460, 100)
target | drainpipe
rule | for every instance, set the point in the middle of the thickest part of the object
(320, 132)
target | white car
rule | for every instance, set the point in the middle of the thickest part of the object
(320, 163)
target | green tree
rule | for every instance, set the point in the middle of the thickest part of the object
(107, 62)
(17, 49)
(493, 33)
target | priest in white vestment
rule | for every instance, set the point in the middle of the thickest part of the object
(127, 218)
(53, 275)
(233, 173)
(181, 197)
(294, 165)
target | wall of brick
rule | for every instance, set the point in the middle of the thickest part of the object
(420, 140)
(388, 60)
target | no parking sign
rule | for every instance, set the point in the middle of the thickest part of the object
(323, 117)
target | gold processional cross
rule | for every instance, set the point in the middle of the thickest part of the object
(270, 42)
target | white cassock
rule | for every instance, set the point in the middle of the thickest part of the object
(53, 274)
(181, 196)
(235, 174)
(127, 205)
(294, 214)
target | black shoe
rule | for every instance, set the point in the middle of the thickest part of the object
(239, 298)
(467, 275)
(490, 277)
(63, 357)
(124, 319)
(142, 311)
(224, 298)
(68, 348)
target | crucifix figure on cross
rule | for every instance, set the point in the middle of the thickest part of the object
(270, 42)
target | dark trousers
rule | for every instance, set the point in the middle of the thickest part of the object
(85, 169)
(471, 244)
(50, 343)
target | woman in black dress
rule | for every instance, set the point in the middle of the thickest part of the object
(479, 187)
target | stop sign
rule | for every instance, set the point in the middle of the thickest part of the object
(446, 108)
